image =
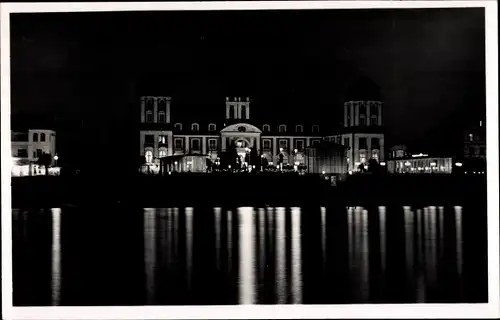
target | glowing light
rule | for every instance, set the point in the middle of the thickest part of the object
(277, 166)
(229, 166)
(56, 158)
(350, 171)
(323, 172)
(281, 149)
(458, 164)
(295, 150)
(419, 155)
(407, 163)
(297, 163)
(433, 164)
(357, 163)
(382, 164)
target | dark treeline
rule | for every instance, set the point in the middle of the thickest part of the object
(247, 189)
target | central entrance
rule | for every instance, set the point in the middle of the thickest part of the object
(244, 136)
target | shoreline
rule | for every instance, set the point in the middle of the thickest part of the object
(227, 190)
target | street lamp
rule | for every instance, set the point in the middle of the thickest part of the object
(56, 158)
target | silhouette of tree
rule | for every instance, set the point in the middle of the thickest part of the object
(255, 158)
(45, 160)
(373, 166)
(361, 168)
(232, 154)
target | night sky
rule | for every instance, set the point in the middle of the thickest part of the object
(83, 73)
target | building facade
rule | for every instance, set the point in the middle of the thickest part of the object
(162, 136)
(32, 144)
(419, 164)
(475, 141)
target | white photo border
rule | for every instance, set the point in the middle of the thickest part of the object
(411, 311)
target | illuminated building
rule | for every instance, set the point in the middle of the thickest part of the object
(163, 136)
(420, 164)
(475, 141)
(27, 147)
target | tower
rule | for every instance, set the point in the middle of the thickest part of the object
(363, 122)
(237, 109)
(155, 109)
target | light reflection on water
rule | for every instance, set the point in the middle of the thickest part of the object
(272, 252)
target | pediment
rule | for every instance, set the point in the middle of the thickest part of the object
(241, 127)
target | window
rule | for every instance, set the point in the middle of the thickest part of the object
(35, 137)
(315, 142)
(266, 144)
(315, 128)
(149, 139)
(179, 143)
(162, 139)
(162, 153)
(244, 112)
(362, 157)
(161, 117)
(299, 128)
(22, 153)
(211, 127)
(472, 151)
(232, 112)
(282, 128)
(299, 144)
(195, 127)
(363, 143)
(149, 156)
(362, 109)
(42, 137)
(375, 143)
(178, 126)
(373, 120)
(362, 121)
(195, 144)
(212, 144)
(39, 153)
(375, 156)
(266, 128)
(149, 116)
(283, 144)
(346, 141)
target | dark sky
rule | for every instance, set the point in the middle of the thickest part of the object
(429, 64)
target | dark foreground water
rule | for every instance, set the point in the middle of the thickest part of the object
(200, 256)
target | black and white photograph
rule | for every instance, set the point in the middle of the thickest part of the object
(250, 160)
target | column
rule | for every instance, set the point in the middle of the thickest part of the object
(227, 111)
(187, 147)
(379, 114)
(155, 110)
(170, 149)
(351, 113)
(368, 107)
(248, 110)
(369, 146)
(308, 142)
(275, 151)
(238, 109)
(168, 110)
(155, 150)
(143, 110)
(345, 114)
(204, 145)
(356, 115)
(223, 142)
(258, 144)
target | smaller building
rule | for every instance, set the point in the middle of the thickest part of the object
(28, 147)
(183, 163)
(475, 142)
(420, 164)
(327, 158)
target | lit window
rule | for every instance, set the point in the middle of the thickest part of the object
(266, 128)
(283, 144)
(42, 137)
(149, 116)
(35, 137)
(362, 157)
(211, 127)
(299, 128)
(315, 128)
(149, 156)
(282, 128)
(161, 117)
(162, 139)
(375, 156)
(195, 127)
(266, 144)
(178, 126)
(162, 153)
(212, 144)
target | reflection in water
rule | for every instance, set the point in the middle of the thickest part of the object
(217, 237)
(409, 243)
(432, 261)
(356, 272)
(420, 275)
(350, 236)
(56, 256)
(163, 237)
(323, 236)
(150, 253)
(458, 228)
(170, 236)
(296, 257)
(246, 219)
(281, 288)
(383, 236)
(365, 255)
(441, 231)
(229, 240)
(176, 233)
(262, 246)
(189, 245)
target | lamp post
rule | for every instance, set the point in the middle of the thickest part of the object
(56, 158)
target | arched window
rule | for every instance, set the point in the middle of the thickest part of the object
(315, 128)
(161, 117)
(282, 128)
(178, 126)
(149, 156)
(195, 127)
(212, 127)
(266, 128)
(299, 128)
(42, 137)
(35, 137)
(232, 112)
(162, 153)
(243, 112)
